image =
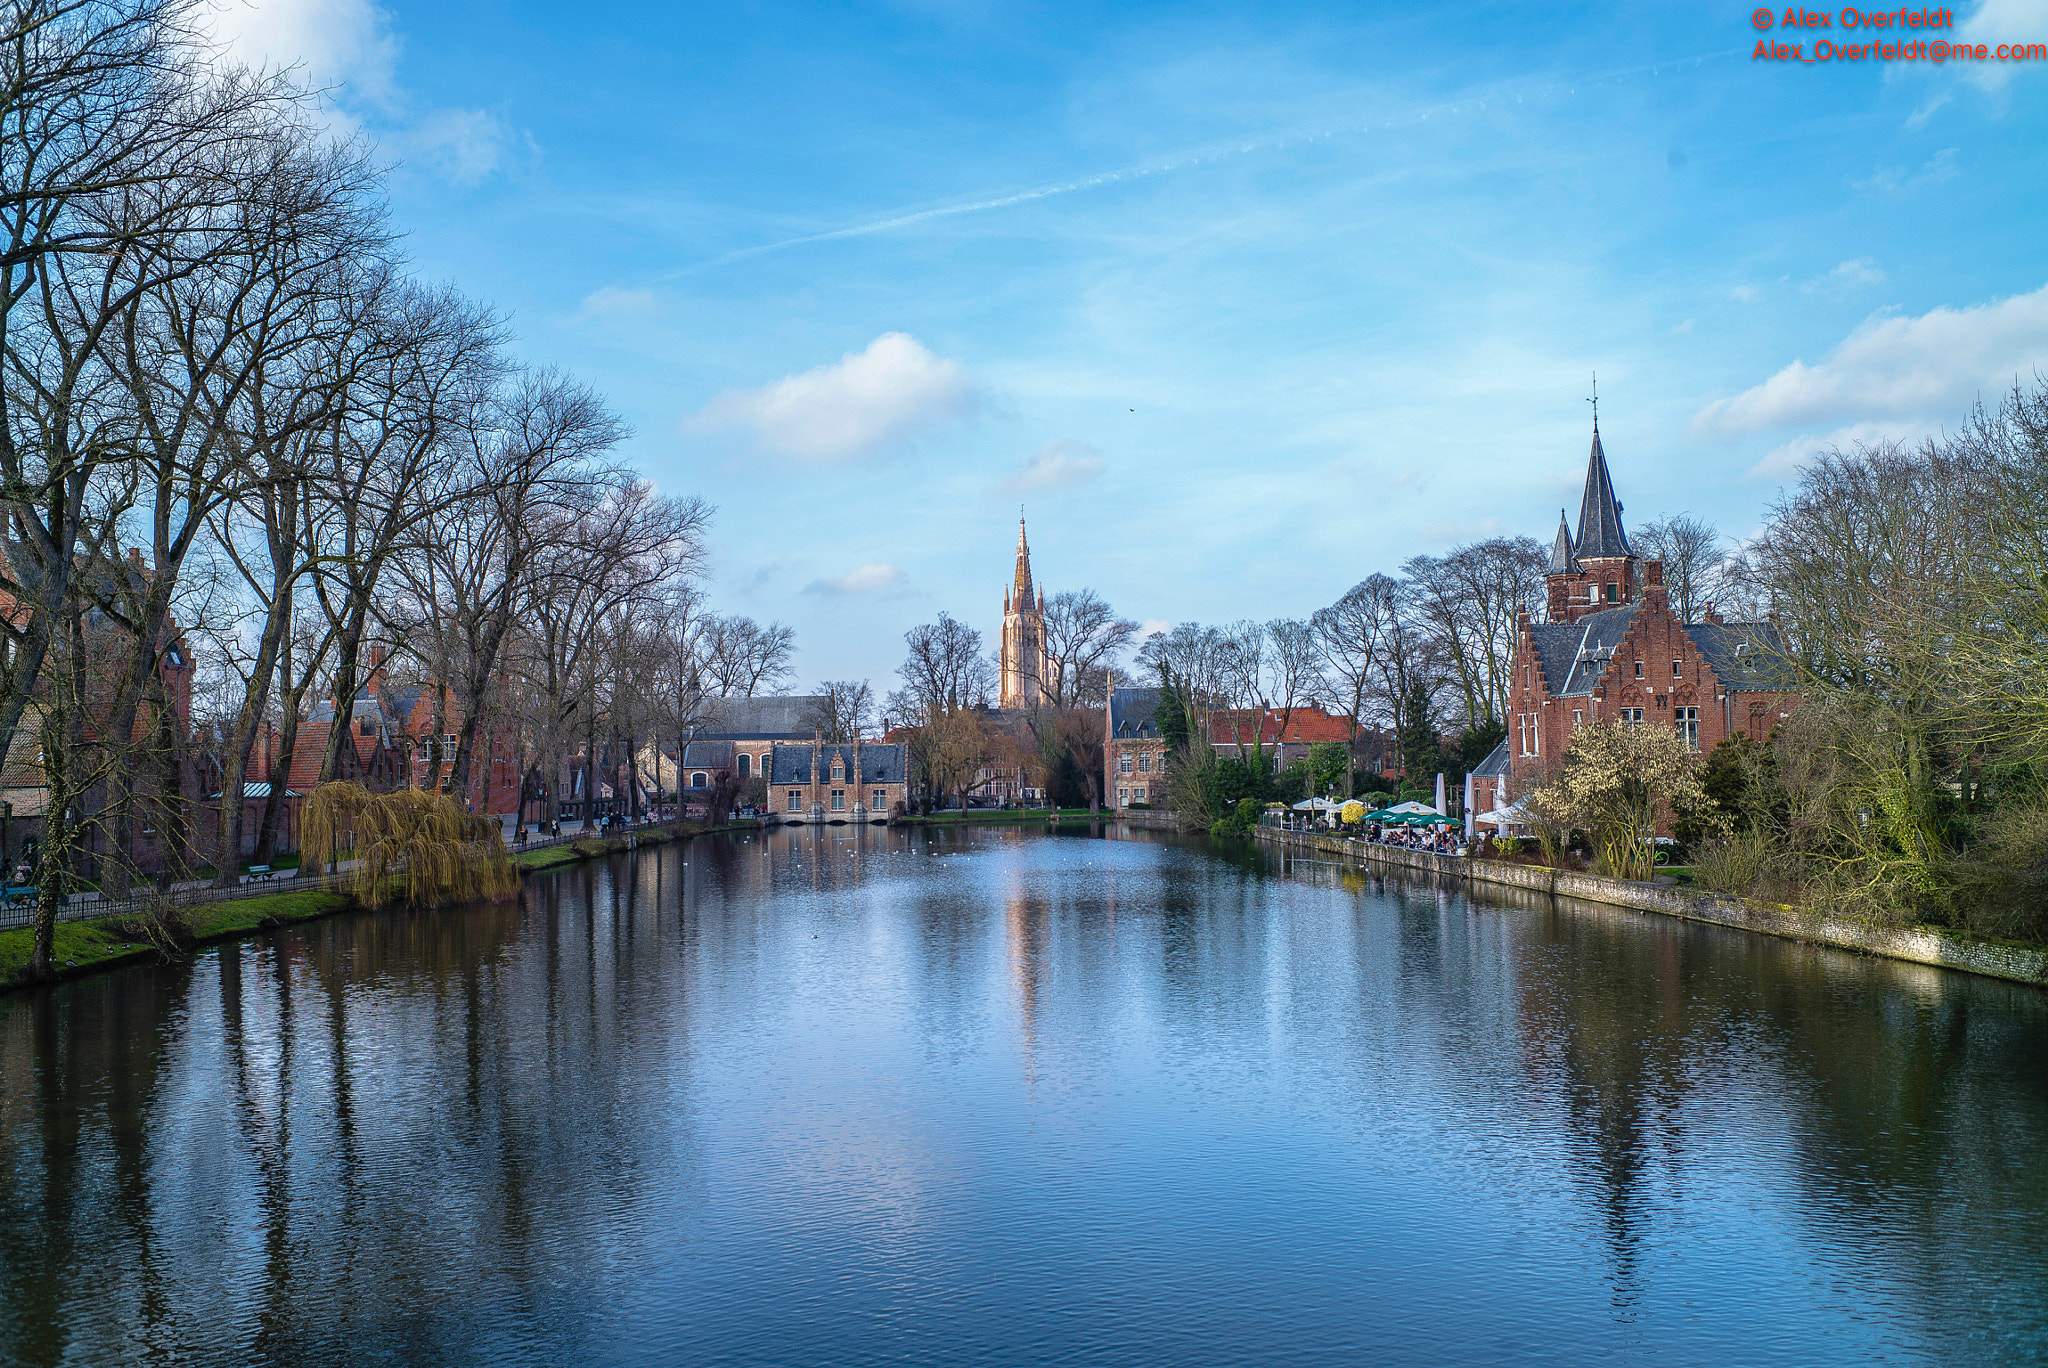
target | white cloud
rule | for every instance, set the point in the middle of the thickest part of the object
(1056, 465)
(1896, 367)
(611, 301)
(1926, 112)
(1152, 627)
(1783, 462)
(1745, 294)
(865, 401)
(1681, 329)
(349, 49)
(1940, 167)
(875, 577)
(465, 145)
(1847, 276)
(2002, 21)
(345, 43)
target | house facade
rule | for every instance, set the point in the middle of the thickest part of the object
(1611, 648)
(1133, 753)
(825, 782)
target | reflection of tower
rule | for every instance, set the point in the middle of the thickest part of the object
(1024, 661)
(1024, 928)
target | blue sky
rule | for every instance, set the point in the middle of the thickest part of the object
(1243, 303)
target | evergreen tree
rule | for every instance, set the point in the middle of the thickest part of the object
(1417, 742)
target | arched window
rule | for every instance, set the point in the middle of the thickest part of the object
(697, 780)
(745, 761)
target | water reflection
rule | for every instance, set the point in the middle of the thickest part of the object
(852, 1095)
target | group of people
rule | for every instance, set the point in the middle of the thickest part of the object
(1437, 840)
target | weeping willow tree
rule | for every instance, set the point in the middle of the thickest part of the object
(411, 846)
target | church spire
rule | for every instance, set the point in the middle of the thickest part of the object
(1600, 535)
(1021, 589)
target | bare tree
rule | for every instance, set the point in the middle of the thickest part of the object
(947, 682)
(742, 658)
(113, 129)
(1083, 637)
(1692, 554)
(1470, 601)
(844, 709)
(520, 483)
(945, 670)
(1351, 635)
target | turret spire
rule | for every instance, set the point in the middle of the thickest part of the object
(1600, 535)
(1561, 562)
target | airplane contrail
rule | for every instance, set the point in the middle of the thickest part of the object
(1235, 147)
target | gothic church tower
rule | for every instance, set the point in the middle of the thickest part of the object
(1024, 662)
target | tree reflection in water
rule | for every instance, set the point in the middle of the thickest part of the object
(858, 1095)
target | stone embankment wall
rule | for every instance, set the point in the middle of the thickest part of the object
(1917, 944)
(1150, 821)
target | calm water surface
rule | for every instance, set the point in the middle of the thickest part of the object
(860, 1097)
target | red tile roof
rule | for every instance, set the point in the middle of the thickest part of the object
(1304, 726)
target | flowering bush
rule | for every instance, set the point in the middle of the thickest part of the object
(1617, 782)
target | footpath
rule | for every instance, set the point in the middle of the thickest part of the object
(1921, 945)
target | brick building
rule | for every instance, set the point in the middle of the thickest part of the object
(828, 782)
(1133, 754)
(1284, 735)
(1612, 648)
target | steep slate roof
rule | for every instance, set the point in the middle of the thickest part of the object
(1744, 656)
(710, 755)
(1561, 562)
(1495, 764)
(760, 719)
(880, 763)
(1600, 531)
(1575, 653)
(1131, 713)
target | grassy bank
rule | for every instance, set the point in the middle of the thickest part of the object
(84, 947)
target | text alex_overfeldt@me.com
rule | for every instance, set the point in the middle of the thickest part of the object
(1885, 45)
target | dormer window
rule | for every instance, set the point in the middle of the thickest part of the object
(838, 772)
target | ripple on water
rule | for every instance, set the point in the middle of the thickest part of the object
(990, 1097)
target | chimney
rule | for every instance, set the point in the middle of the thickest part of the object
(1653, 585)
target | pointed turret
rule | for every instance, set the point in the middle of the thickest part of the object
(1600, 535)
(1561, 562)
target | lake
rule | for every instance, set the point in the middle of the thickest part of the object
(858, 1096)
